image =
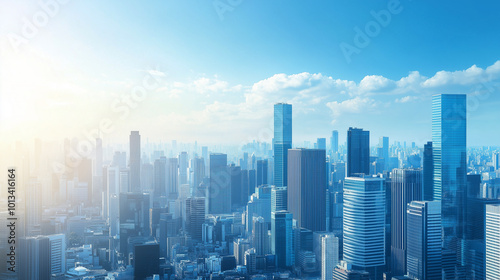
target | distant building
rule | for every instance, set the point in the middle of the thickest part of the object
(135, 161)
(282, 142)
(282, 238)
(358, 152)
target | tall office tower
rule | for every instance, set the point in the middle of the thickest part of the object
(84, 171)
(496, 160)
(423, 258)
(146, 260)
(183, 168)
(384, 144)
(219, 189)
(364, 235)
(279, 199)
(134, 218)
(119, 159)
(334, 141)
(450, 166)
(206, 158)
(236, 184)
(98, 157)
(198, 166)
(112, 185)
(57, 243)
(34, 258)
(33, 208)
(147, 177)
(245, 181)
(135, 161)
(307, 188)
(321, 143)
(428, 172)
(244, 161)
(260, 237)
(492, 242)
(358, 152)
(282, 238)
(282, 142)
(262, 172)
(406, 186)
(124, 180)
(160, 181)
(172, 178)
(259, 206)
(329, 255)
(195, 216)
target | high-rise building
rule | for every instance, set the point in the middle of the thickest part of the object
(183, 168)
(198, 170)
(279, 199)
(321, 143)
(134, 218)
(363, 234)
(219, 189)
(334, 141)
(358, 152)
(172, 178)
(384, 144)
(236, 187)
(428, 172)
(260, 237)
(195, 216)
(329, 255)
(345, 271)
(406, 186)
(160, 169)
(147, 177)
(57, 243)
(423, 258)
(135, 161)
(282, 238)
(34, 258)
(262, 172)
(282, 142)
(496, 160)
(449, 132)
(307, 188)
(492, 242)
(146, 260)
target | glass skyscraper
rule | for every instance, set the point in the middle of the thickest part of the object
(364, 224)
(282, 141)
(358, 151)
(135, 161)
(492, 242)
(219, 192)
(449, 131)
(282, 238)
(424, 240)
(307, 187)
(406, 186)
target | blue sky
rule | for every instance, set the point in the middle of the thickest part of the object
(219, 70)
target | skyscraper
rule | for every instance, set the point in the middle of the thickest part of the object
(260, 238)
(406, 186)
(282, 238)
(219, 190)
(358, 151)
(307, 188)
(450, 169)
(492, 242)
(262, 172)
(329, 255)
(172, 178)
(160, 169)
(423, 258)
(183, 166)
(34, 258)
(428, 172)
(364, 234)
(195, 216)
(321, 143)
(496, 160)
(278, 199)
(334, 141)
(57, 243)
(135, 161)
(282, 141)
(384, 144)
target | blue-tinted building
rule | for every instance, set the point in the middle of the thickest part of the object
(219, 192)
(334, 141)
(282, 141)
(358, 152)
(406, 186)
(492, 242)
(428, 170)
(364, 224)
(423, 258)
(449, 133)
(262, 166)
(307, 187)
(135, 161)
(282, 238)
